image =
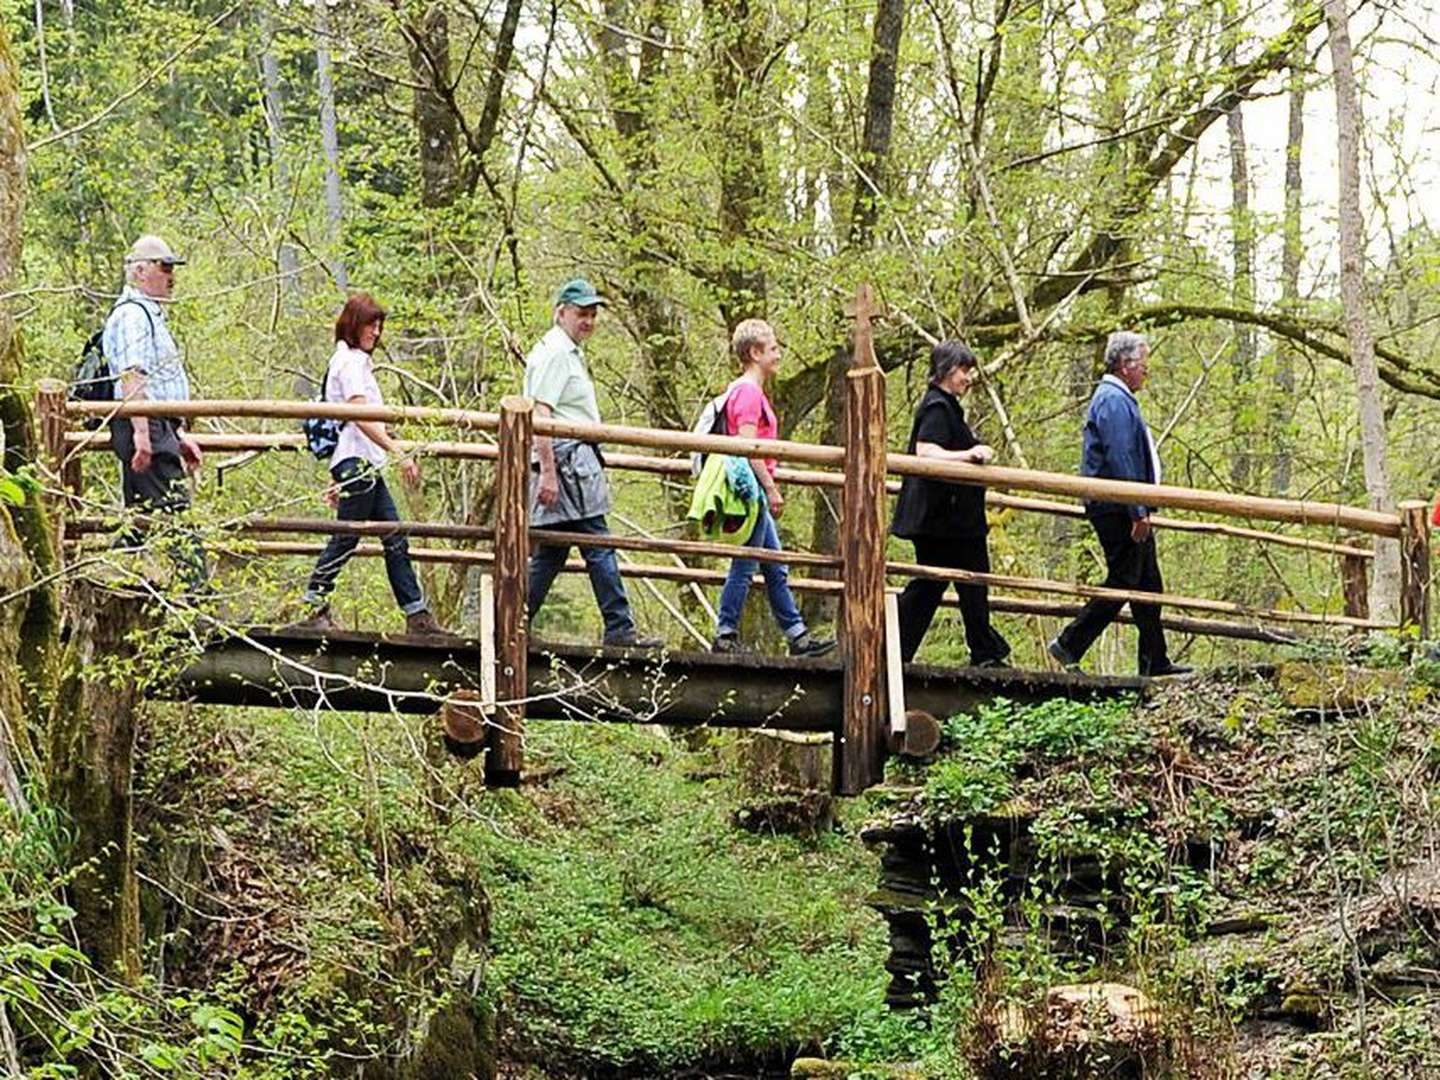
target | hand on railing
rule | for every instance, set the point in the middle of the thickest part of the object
(980, 453)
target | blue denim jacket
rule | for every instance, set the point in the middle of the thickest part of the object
(1116, 445)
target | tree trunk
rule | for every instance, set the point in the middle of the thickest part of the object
(330, 141)
(91, 766)
(886, 34)
(26, 657)
(1242, 291)
(435, 124)
(1385, 590)
(1282, 412)
(285, 254)
(738, 68)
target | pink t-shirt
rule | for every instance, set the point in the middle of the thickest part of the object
(745, 404)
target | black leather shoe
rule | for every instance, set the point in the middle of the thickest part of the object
(1062, 655)
(1168, 669)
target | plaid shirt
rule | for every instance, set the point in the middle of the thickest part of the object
(137, 339)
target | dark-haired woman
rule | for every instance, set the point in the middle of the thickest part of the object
(356, 466)
(946, 521)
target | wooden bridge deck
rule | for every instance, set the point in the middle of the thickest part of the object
(368, 672)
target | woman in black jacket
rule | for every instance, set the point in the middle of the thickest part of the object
(946, 521)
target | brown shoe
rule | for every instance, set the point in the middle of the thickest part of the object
(423, 624)
(319, 619)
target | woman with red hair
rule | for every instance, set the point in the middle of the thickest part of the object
(356, 465)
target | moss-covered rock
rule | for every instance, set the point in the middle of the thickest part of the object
(1316, 687)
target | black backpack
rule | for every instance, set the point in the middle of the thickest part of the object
(322, 433)
(93, 379)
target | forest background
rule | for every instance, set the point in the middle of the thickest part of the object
(1025, 175)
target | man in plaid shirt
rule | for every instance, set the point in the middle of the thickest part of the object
(155, 453)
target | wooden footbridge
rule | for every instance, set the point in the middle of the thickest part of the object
(488, 685)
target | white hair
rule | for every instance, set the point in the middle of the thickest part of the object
(1122, 347)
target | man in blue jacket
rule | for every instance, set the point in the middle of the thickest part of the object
(1118, 446)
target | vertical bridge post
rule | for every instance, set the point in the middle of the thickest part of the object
(50, 409)
(512, 590)
(860, 750)
(1415, 566)
(1353, 571)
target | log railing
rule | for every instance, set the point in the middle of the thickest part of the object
(862, 471)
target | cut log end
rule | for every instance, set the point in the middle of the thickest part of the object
(921, 737)
(464, 719)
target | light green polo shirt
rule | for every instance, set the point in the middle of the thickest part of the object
(555, 373)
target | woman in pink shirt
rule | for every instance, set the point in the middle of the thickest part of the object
(748, 414)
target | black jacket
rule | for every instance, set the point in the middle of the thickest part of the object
(937, 507)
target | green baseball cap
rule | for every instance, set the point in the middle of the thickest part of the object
(580, 293)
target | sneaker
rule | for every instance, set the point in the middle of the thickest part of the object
(728, 642)
(317, 620)
(806, 645)
(993, 662)
(1063, 656)
(1168, 669)
(632, 640)
(423, 624)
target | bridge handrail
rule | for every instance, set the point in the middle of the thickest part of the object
(1305, 512)
(99, 440)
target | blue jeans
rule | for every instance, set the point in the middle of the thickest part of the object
(777, 583)
(603, 567)
(364, 497)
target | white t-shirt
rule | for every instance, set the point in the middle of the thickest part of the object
(350, 374)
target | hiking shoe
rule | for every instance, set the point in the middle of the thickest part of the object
(319, 619)
(1168, 669)
(992, 662)
(423, 624)
(728, 642)
(1063, 656)
(807, 645)
(633, 640)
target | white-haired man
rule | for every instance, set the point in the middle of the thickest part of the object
(1118, 446)
(155, 453)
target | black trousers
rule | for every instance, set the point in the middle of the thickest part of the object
(1131, 566)
(922, 596)
(161, 487)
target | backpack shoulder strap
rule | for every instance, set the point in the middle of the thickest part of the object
(132, 300)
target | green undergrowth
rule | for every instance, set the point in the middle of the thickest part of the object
(636, 927)
(321, 887)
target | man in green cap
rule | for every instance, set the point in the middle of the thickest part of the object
(568, 491)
